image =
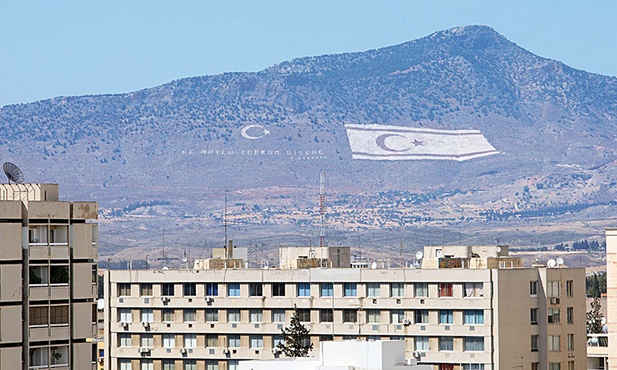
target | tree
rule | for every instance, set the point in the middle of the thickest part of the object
(594, 317)
(296, 340)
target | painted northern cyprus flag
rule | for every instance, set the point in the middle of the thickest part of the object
(380, 142)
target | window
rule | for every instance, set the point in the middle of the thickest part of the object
(145, 290)
(422, 344)
(474, 290)
(190, 289)
(533, 288)
(124, 364)
(533, 316)
(212, 289)
(39, 316)
(552, 289)
(168, 289)
(420, 316)
(473, 366)
(147, 364)
(350, 315)
(233, 289)
(190, 365)
(256, 315)
(570, 342)
(446, 344)
(570, 365)
(304, 315)
(445, 289)
(168, 315)
(212, 340)
(350, 290)
(256, 290)
(474, 317)
(233, 341)
(147, 315)
(124, 340)
(554, 344)
(212, 365)
(257, 341)
(125, 315)
(397, 316)
(420, 290)
(535, 366)
(59, 315)
(38, 275)
(373, 316)
(570, 315)
(169, 364)
(124, 289)
(553, 315)
(534, 343)
(147, 340)
(233, 315)
(212, 315)
(276, 339)
(59, 274)
(473, 344)
(189, 315)
(304, 290)
(233, 365)
(569, 288)
(190, 340)
(278, 289)
(446, 317)
(554, 366)
(373, 289)
(327, 289)
(397, 290)
(278, 315)
(169, 340)
(326, 316)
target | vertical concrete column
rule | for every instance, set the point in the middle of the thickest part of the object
(611, 286)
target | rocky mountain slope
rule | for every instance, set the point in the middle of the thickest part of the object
(552, 125)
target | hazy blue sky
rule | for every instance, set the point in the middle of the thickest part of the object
(54, 48)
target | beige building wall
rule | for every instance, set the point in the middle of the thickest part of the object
(404, 304)
(611, 287)
(46, 314)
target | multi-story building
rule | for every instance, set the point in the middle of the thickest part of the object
(48, 252)
(465, 308)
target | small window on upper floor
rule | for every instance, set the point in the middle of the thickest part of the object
(569, 288)
(255, 290)
(145, 290)
(190, 289)
(533, 288)
(124, 289)
(445, 289)
(552, 289)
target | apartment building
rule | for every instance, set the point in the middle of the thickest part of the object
(48, 252)
(465, 308)
(611, 293)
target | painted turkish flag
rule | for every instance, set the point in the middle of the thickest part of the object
(380, 142)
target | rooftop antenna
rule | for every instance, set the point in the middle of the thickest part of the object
(13, 173)
(322, 209)
(225, 221)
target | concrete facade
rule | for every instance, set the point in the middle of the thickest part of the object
(611, 292)
(449, 318)
(48, 253)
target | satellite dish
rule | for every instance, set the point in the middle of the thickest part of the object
(100, 304)
(373, 265)
(559, 261)
(551, 263)
(498, 249)
(13, 173)
(185, 260)
(419, 255)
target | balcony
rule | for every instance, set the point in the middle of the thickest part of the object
(597, 345)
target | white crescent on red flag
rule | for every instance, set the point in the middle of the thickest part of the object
(381, 142)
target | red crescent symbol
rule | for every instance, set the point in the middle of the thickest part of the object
(381, 142)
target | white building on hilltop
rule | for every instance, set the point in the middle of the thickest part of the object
(344, 355)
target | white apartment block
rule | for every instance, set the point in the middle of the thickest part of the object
(48, 286)
(466, 308)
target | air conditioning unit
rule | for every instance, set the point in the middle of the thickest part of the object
(124, 324)
(145, 324)
(164, 299)
(226, 351)
(555, 301)
(416, 354)
(182, 350)
(209, 299)
(275, 351)
(100, 360)
(143, 349)
(406, 322)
